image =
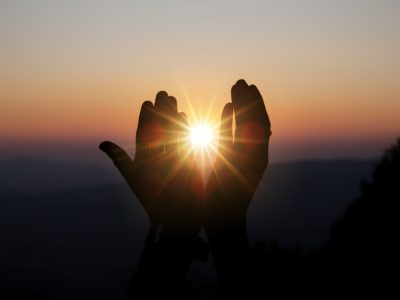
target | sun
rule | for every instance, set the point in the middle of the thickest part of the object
(201, 135)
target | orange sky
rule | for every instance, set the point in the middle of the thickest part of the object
(74, 71)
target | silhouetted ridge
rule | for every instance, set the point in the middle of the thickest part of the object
(372, 215)
(364, 243)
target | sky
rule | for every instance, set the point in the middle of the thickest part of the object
(73, 73)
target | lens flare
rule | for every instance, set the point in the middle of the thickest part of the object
(201, 135)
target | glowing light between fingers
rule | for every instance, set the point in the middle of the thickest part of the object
(201, 136)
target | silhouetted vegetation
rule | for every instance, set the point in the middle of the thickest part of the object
(364, 244)
(361, 255)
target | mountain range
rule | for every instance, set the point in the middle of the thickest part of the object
(72, 227)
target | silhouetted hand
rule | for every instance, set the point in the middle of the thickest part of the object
(163, 175)
(241, 160)
(242, 157)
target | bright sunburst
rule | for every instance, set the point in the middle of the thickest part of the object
(201, 135)
(202, 132)
(202, 140)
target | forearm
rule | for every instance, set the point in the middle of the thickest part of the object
(164, 265)
(233, 258)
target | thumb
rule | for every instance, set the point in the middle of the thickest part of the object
(115, 153)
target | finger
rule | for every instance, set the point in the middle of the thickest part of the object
(160, 107)
(118, 155)
(225, 131)
(259, 107)
(241, 105)
(261, 125)
(172, 104)
(144, 131)
(172, 127)
(252, 121)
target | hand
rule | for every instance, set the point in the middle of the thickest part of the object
(163, 174)
(241, 160)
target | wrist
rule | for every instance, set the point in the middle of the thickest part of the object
(231, 252)
(227, 228)
(171, 244)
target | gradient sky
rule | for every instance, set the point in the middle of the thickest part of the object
(77, 71)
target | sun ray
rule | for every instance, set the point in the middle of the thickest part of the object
(205, 141)
(234, 171)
